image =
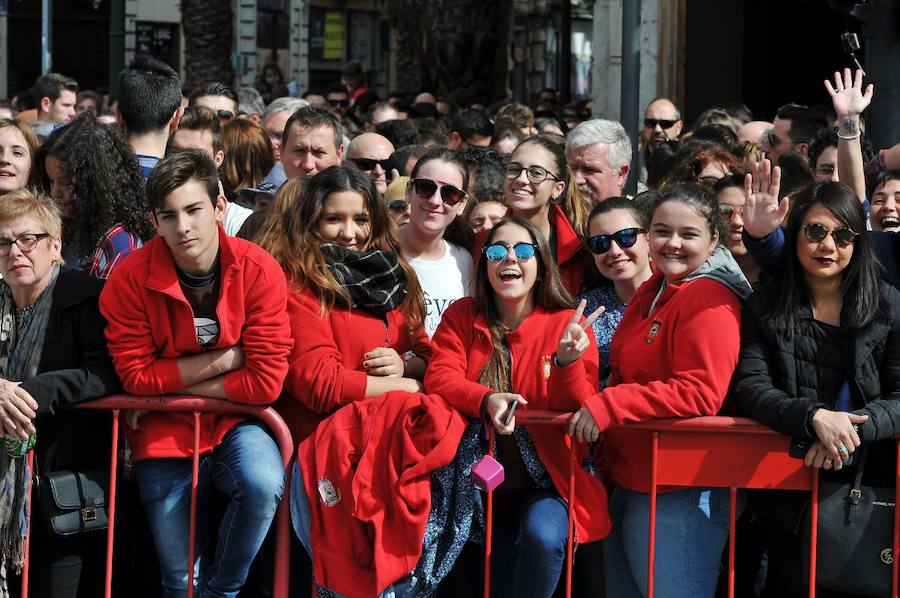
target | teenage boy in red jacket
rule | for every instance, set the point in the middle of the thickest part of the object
(196, 312)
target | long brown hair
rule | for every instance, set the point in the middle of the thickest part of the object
(272, 228)
(249, 155)
(298, 246)
(549, 293)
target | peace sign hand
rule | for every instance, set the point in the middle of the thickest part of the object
(575, 340)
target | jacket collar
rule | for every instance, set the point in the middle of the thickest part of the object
(164, 278)
(568, 243)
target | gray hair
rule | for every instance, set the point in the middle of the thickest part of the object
(250, 101)
(598, 130)
(284, 104)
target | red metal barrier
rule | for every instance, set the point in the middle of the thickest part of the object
(197, 405)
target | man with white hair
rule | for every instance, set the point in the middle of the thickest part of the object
(599, 153)
(276, 115)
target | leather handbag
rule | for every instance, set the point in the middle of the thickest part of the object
(856, 536)
(74, 502)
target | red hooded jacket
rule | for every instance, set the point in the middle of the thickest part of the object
(462, 347)
(326, 370)
(151, 325)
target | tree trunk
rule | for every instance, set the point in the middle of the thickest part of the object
(456, 49)
(208, 35)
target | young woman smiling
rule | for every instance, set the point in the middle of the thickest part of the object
(617, 231)
(539, 187)
(672, 355)
(518, 337)
(356, 307)
(436, 240)
(18, 143)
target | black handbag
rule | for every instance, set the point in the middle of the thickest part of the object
(856, 536)
(74, 502)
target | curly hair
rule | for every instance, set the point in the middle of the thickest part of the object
(107, 185)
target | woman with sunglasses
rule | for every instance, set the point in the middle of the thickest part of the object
(539, 187)
(673, 355)
(516, 345)
(436, 239)
(820, 346)
(356, 306)
(618, 240)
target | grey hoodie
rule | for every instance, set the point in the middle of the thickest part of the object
(720, 267)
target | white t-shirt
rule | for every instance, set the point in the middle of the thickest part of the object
(234, 217)
(443, 281)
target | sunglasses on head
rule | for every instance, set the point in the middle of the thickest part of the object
(225, 114)
(626, 237)
(450, 195)
(497, 252)
(398, 205)
(651, 123)
(842, 237)
(369, 164)
(341, 103)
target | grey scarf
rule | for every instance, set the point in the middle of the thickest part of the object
(22, 334)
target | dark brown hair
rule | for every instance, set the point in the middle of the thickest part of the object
(177, 170)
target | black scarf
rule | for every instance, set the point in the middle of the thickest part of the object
(374, 279)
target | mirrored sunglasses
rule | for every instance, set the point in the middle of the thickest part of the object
(497, 252)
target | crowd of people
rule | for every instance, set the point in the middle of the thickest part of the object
(396, 278)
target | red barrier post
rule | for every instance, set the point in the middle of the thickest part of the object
(489, 523)
(113, 479)
(27, 545)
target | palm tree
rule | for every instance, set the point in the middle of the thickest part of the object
(208, 26)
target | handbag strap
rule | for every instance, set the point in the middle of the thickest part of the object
(855, 496)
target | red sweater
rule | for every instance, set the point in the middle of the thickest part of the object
(326, 370)
(675, 362)
(569, 251)
(372, 461)
(462, 348)
(151, 325)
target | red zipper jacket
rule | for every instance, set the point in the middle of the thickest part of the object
(462, 347)
(326, 364)
(151, 325)
(674, 362)
(569, 252)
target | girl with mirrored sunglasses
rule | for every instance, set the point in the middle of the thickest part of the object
(540, 188)
(820, 346)
(516, 342)
(436, 240)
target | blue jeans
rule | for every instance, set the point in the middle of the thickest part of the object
(247, 468)
(691, 531)
(529, 544)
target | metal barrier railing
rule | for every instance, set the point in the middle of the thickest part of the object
(196, 405)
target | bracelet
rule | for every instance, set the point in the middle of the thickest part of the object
(850, 137)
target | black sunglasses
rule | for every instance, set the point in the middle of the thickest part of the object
(450, 195)
(842, 237)
(626, 237)
(651, 123)
(369, 164)
(497, 252)
(398, 205)
(225, 114)
(336, 103)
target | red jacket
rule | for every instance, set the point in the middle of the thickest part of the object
(326, 370)
(151, 325)
(570, 257)
(462, 347)
(675, 362)
(367, 473)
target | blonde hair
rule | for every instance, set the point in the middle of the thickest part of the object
(29, 203)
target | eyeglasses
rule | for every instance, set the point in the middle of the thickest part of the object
(625, 238)
(665, 124)
(398, 205)
(426, 188)
(728, 210)
(225, 114)
(497, 252)
(535, 174)
(26, 243)
(342, 103)
(369, 164)
(816, 233)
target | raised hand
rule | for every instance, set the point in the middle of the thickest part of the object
(763, 213)
(574, 340)
(847, 94)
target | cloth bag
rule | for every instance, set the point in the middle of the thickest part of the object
(855, 536)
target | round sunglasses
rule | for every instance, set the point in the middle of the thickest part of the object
(497, 252)
(426, 188)
(842, 237)
(624, 238)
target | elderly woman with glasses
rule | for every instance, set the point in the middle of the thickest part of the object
(53, 355)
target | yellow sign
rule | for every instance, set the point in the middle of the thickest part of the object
(334, 36)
